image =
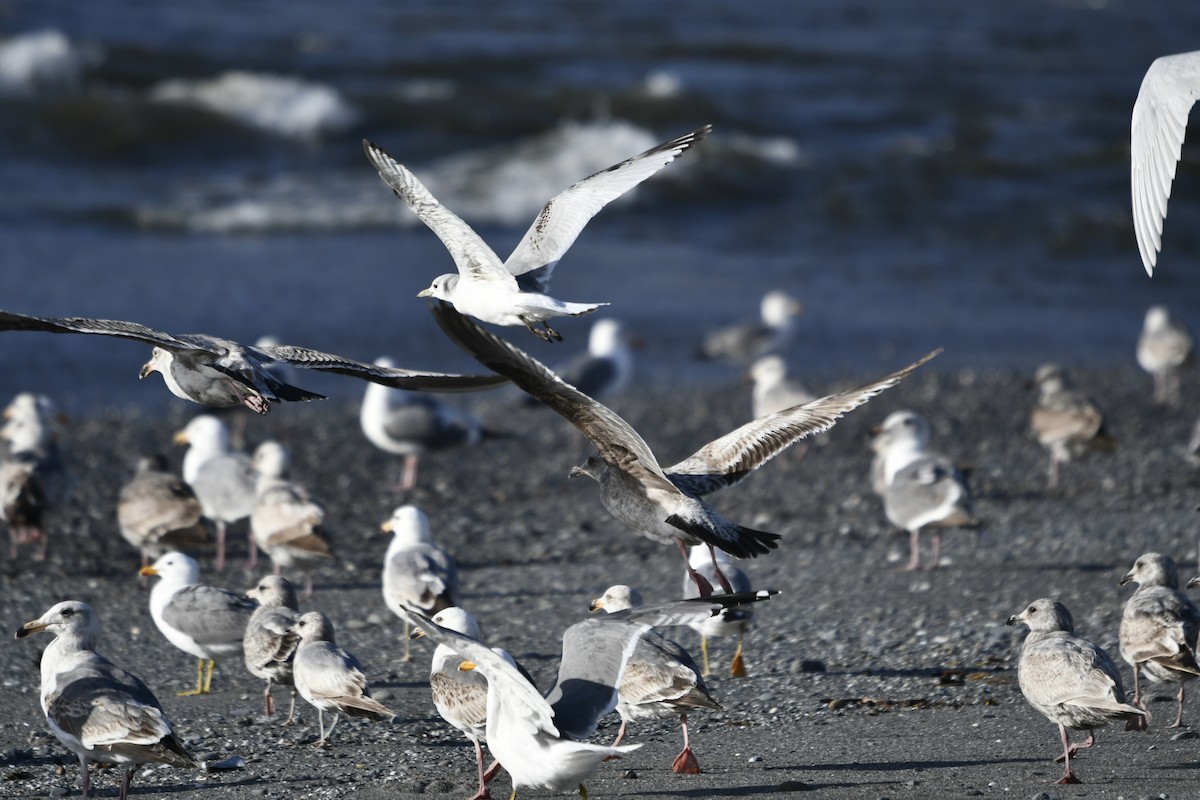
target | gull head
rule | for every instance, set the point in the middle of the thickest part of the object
(1046, 614)
(1157, 319)
(442, 288)
(901, 430)
(617, 598)
(271, 460)
(1152, 569)
(69, 615)
(458, 620)
(274, 591)
(778, 308)
(592, 468)
(314, 627)
(174, 567)
(160, 361)
(409, 527)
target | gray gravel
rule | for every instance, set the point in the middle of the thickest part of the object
(865, 681)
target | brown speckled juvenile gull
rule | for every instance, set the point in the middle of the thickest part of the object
(220, 372)
(1071, 681)
(663, 505)
(744, 342)
(95, 708)
(270, 641)
(660, 680)
(1159, 627)
(512, 292)
(418, 575)
(287, 523)
(158, 512)
(1065, 420)
(1163, 347)
(1156, 132)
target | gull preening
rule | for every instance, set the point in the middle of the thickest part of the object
(1163, 347)
(97, 710)
(158, 512)
(220, 372)
(664, 505)
(1156, 132)
(1072, 682)
(512, 292)
(270, 640)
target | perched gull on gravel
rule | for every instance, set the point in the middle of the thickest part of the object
(329, 678)
(270, 641)
(512, 292)
(223, 480)
(745, 342)
(219, 372)
(539, 740)
(286, 522)
(1072, 682)
(921, 488)
(418, 575)
(1156, 134)
(660, 679)
(202, 620)
(95, 708)
(1164, 346)
(773, 390)
(733, 621)
(34, 482)
(1065, 421)
(1159, 627)
(408, 424)
(663, 505)
(606, 367)
(158, 512)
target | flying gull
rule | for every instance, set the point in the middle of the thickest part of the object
(540, 740)
(418, 575)
(220, 372)
(660, 680)
(1072, 682)
(95, 708)
(287, 523)
(34, 481)
(330, 678)
(746, 341)
(270, 641)
(512, 292)
(1156, 134)
(202, 620)
(1163, 347)
(1065, 420)
(222, 479)
(733, 621)
(158, 512)
(663, 505)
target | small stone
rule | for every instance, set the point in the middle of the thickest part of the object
(58, 791)
(1040, 796)
(812, 665)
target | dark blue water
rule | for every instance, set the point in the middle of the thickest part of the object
(919, 173)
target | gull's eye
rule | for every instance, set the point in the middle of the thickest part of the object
(67, 612)
(1033, 609)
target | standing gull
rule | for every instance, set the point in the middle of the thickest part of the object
(921, 489)
(512, 292)
(539, 740)
(220, 372)
(663, 505)
(1163, 347)
(734, 621)
(1065, 421)
(1159, 627)
(743, 343)
(202, 620)
(270, 641)
(329, 678)
(95, 708)
(158, 512)
(34, 482)
(1071, 681)
(606, 367)
(418, 575)
(286, 522)
(660, 680)
(773, 391)
(1156, 134)
(222, 479)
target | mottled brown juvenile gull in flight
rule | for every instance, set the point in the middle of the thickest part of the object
(512, 292)
(270, 641)
(95, 708)
(663, 505)
(1156, 132)
(220, 372)
(1071, 681)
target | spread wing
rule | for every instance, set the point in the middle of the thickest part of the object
(11, 321)
(387, 376)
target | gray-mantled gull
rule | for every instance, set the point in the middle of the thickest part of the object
(330, 678)
(660, 680)
(1156, 132)
(1069, 680)
(270, 641)
(1159, 627)
(202, 620)
(773, 391)
(743, 343)
(418, 575)
(97, 710)
(220, 372)
(223, 480)
(512, 292)
(1065, 421)
(663, 505)
(538, 740)
(1163, 347)
(409, 424)
(287, 523)
(158, 512)
(606, 367)
(734, 621)
(34, 481)
(921, 489)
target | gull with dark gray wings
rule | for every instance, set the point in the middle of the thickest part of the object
(220, 372)
(664, 505)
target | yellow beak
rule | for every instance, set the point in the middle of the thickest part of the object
(596, 604)
(387, 527)
(145, 571)
(30, 627)
(181, 437)
(425, 293)
(466, 666)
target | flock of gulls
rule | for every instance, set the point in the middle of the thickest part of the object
(615, 661)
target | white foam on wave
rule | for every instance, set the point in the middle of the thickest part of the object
(42, 61)
(277, 104)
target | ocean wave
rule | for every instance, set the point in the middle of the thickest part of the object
(280, 105)
(42, 62)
